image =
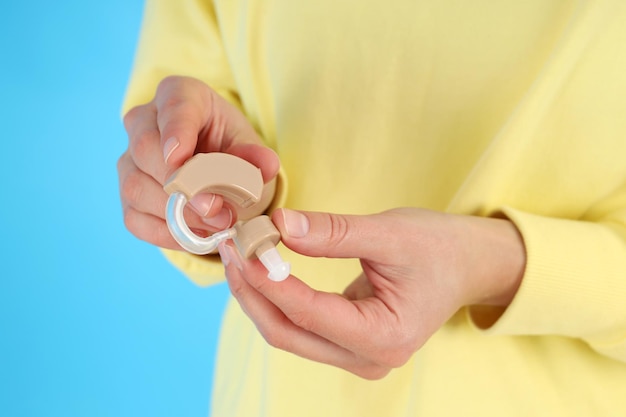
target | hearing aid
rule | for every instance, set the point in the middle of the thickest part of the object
(241, 185)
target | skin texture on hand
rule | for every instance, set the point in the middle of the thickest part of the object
(419, 268)
(184, 118)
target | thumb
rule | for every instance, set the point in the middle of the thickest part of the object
(329, 235)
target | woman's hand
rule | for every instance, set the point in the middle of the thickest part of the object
(419, 268)
(184, 118)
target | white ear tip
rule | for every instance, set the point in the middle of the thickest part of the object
(280, 272)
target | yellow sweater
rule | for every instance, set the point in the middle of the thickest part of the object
(482, 107)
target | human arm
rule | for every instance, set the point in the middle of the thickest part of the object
(419, 268)
(575, 280)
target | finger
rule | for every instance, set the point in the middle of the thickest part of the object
(367, 327)
(207, 205)
(331, 235)
(149, 228)
(139, 190)
(145, 142)
(282, 333)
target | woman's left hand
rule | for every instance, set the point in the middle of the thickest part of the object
(419, 268)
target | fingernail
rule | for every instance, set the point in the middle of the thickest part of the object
(224, 253)
(296, 224)
(169, 147)
(220, 221)
(202, 203)
(234, 257)
(228, 255)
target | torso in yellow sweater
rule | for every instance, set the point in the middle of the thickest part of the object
(487, 108)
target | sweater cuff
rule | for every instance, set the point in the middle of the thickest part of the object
(571, 285)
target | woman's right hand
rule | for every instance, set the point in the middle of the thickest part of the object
(185, 117)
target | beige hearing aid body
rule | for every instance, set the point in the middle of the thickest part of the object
(241, 185)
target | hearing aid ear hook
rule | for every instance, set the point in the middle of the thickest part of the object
(241, 184)
(238, 181)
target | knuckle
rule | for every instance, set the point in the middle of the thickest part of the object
(134, 221)
(168, 83)
(130, 217)
(131, 116)
(173, 101)
(142, 144)
(274, 337)
(302, 314)
(161, 236)
(170, 92)
(397, 357)
(271, 339)
(121, 162)
(131, 188)
(339, 229)
(372, 372)
(172, 84)
(395, 348)
(180, 113)
(302, 319)
(237, 289)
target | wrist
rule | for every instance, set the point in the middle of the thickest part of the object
(496, 261)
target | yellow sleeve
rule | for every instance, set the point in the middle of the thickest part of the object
(179, 38)
(575, 279)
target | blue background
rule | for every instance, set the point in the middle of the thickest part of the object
(93, 322)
